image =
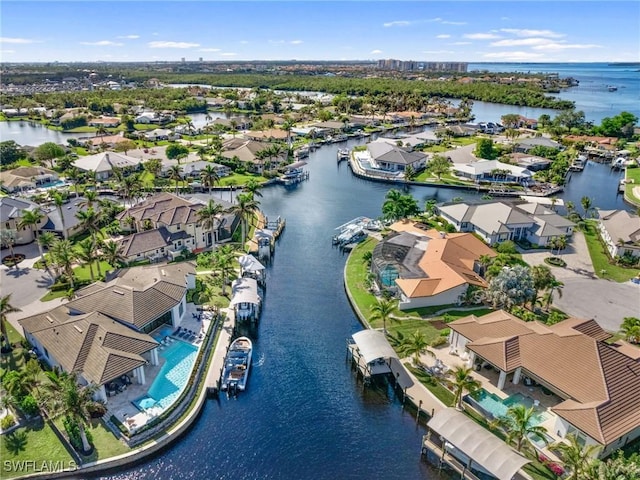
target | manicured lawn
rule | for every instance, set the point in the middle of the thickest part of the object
(600, 257)
(85, 129)
(15, 360)
(632, 174)
(357, 271)
(440, 391)
(105, 442)
(409, 327)
(34, 443)
(82, 272)
(237, 179)
(145, 126)
(53, 295)
(147, 178)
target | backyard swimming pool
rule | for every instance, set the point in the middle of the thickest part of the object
(172, 378)
(497, 407)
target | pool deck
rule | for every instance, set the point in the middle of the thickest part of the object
(121, 405)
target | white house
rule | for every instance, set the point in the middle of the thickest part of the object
(386, 156)
(621, 232)
(493, 171)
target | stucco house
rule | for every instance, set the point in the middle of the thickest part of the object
(493, 171)
(248, 153)
(426, 267)
(620, 230)
(104, 333)
(597, 382)
(497, 222)
(11, 213)
(25, 178)
(103, 164)
(389, 157)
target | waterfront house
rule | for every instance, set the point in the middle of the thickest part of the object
(388, 157)
(270, 135)
(526, 144)
(103, 164)
(248, 152)
(426, 267)
(497, 222)
(493, 171)
(193, 169)
(178, 227)
(103, 334)
(107, 122)
(530, 162)
(26, 178)
(12, 211)
(597, 382)
(620, 231)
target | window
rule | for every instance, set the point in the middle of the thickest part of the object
(181, 309)
(46, 352)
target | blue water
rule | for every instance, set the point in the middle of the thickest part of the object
(163, 332)
(172, 378)
(57, 183)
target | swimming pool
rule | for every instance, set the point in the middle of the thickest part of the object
(57, 183)
(497, 407)
(162, 332)
(172, 378)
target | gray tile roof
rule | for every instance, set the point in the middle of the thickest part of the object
(384, 152)
(93, 344)
(13, 208)
(143, 242)
(621, 224)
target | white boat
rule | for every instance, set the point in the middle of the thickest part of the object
(236, 365)
(343, 154)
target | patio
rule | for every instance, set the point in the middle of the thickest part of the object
(121, 404)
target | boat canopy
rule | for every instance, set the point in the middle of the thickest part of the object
(480, 445)
(295, 165)
(244, 290)
(250, 263)
(372, 344)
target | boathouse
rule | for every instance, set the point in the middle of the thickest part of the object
(372, 353)
(251, 267)
(245, 299)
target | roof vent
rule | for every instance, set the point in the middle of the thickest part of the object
(164, 274)
(119, 292)
(49, 318)
(77, 328)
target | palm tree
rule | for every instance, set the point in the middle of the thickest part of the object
(112, 254)
(209, 176)
(244, 208)
(31, 219)
(416, 345)
(5, 309)
(86, 252)
(553, 287)
(461, 381)
(89, 220)
(223, 262)
(520, 427)
(207, 217)
(175, 174)
(90, 197)
(66, 398)
(586, 205)
(630, 328)
(64, 256)
(8, 239)
(253, 187)
(45, 240)
(577, 458)
(560, 243)
(59, 200)
(382, 310)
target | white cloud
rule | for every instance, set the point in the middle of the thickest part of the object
(565, 46)
(516, 42)
(481, 36)
(397, 23)
(160, 44)
(243, 42)
(17, 40)
(228, 54)
(443, 36)
(208, 49)
(432, 52)
(525, 32)
(460, 43)
(376, 52)
(515, 56)
(103, 43)
(129, 37)
(446, 22)
(296, 42)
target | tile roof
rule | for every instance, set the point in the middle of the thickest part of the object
(143, 242)
(444, 262)
(100, 348)
(621, 224)
(164, 208)
(385, 152)
(600, 382)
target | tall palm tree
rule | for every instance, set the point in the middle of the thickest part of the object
(207, 217)
(89, 221)
(63, 256)
(519, 423)
(59, 200)
(586, 205)
(252, 186)
(175, 174)
(416, 344)
(223, 262)
(31, 219)
(554, 287)
(90, 197)
(5, 309)
(577, 458)
(66, 398)
(461, 381)
(45, 240)
(209, 176)
(382, 310)
(112, 254)
(86, 252)
(244, 208)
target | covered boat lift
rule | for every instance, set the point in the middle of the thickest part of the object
(251, 267)
(464, 445)
(372, 353)
(245, 300)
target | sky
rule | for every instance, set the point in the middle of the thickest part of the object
(466, 31)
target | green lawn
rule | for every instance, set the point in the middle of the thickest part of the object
(53, 295)
(600, 257)
(439, 391)
(16, 359)
(239, 179)
(34, 443)
(147, 178)
(632, 174)
(105, 443)
(357, 271)
(82, 273)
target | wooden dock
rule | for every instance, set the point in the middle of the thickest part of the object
(216, 367)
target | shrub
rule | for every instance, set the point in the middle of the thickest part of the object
(508, 247)
(7, 422)
(29, 405)
(439, 342)
(73, 431)
(555, 261)
(96, 410)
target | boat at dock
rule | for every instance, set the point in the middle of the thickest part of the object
(355, 231)
(578, 164)
(302, 152)
(237, 365)
(294, 173)
(343, 154)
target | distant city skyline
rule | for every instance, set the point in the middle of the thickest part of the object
(452, 31)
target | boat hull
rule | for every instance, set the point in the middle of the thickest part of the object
(237, 365)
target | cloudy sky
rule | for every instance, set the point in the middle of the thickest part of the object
(471, 31)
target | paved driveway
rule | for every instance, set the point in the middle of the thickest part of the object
(584, 294)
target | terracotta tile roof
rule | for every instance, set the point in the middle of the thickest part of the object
(600, 382)
(94, 345)
(447, 260)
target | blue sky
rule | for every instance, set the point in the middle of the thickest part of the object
(472, 31)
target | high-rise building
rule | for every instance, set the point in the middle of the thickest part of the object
(411, 66)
